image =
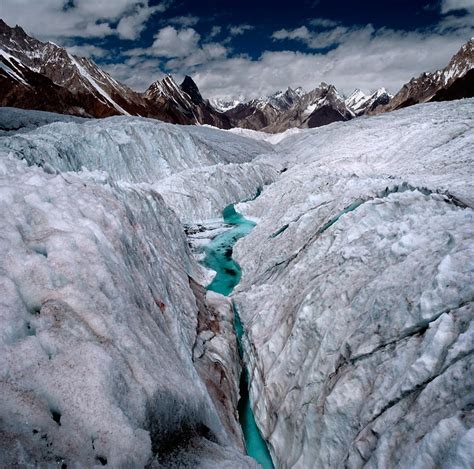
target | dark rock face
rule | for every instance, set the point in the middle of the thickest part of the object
(184, 103)
(460, 88)
(191, 89)
(323, 116)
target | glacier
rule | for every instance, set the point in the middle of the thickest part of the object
(355, 297)
(357, 293)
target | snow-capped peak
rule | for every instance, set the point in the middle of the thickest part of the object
(224, 104)
(355, 98)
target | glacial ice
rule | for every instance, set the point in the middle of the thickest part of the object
(18, 120)
(198, 170)
(357, 293)
(103, 316)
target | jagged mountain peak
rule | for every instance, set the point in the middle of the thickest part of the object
(189, 87)
(186, 100)
(45, 66)
(360, 103)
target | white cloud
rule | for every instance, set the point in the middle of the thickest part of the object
(187, 20)
(301, 33)
(451, 5)
(52, 19)
(170, 42)
(316, 39)
(215, 31)
(131, 26)
(136, 72)
(240, 29)
(323, 22)
(360, 56)
(462, 21)
(200, 56)
(365, 58)
(182, 50)
(87, 50)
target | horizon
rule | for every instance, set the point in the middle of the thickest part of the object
(139, 42)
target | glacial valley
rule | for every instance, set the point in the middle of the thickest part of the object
(354, 285)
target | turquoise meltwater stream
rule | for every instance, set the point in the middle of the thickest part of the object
(219, 258)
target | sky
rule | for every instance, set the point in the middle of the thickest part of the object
(249, 48)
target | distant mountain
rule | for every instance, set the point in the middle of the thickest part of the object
(223, 105)
(39, 75)
(44, 76)
(433, 86)
(185, 103)
(360, 103)
(291, 108)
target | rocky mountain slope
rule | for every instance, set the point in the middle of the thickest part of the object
(433, 86)
(291, 108)
(184, 103)
(38, 75)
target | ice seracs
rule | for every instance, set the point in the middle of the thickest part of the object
(113, 353)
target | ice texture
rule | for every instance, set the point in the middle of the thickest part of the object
(198, 170)
(356, 295)
(357, 292)
(111, 353)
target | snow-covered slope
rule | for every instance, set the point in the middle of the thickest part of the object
(223, 105)
(357, 293)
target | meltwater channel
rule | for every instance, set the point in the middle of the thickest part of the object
(219, 258)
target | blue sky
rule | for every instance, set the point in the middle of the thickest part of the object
(249, 48)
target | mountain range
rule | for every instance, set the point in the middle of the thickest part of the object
(42, 75)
